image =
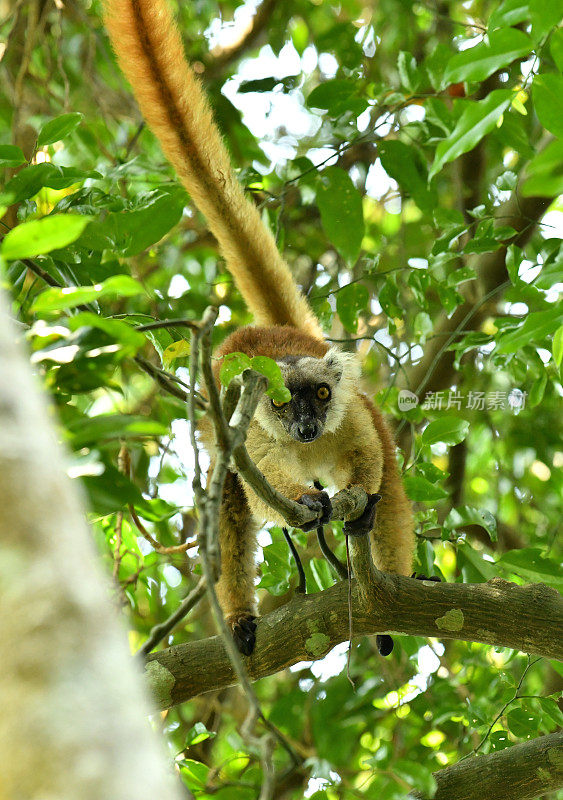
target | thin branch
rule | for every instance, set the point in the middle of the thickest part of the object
(208, 502)
(505, 706)
(158, 632)
(177, 548)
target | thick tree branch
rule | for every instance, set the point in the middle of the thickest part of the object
(307, 628)
(521, 772)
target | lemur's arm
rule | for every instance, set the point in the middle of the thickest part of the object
(150, 52)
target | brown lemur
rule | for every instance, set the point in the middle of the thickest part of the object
(329, 430)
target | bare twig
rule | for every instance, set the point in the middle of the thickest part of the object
(158, 632)
(177, 548)
(209, 500)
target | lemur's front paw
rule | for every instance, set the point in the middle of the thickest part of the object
(243, 628)
(365, 523)
(420, 577)
(319, 502)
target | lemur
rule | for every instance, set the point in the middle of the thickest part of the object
(329, 430)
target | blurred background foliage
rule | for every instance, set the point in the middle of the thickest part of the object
(408, 156)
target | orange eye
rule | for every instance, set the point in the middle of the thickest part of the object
(323, 392)
(277, 404)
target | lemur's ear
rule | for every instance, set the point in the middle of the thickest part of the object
(345, 365)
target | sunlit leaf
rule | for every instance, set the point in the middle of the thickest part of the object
(479, 118)
(547, 94)
(40, 236)
(477, 63)
(56, 299)
(419, 489)
(58, 128)
(449, 430)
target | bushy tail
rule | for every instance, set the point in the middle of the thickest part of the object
(150, 53)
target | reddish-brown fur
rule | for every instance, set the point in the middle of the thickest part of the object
(359, 451)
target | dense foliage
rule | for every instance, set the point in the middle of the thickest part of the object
(409, 156)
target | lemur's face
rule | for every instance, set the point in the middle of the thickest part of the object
(320, 388)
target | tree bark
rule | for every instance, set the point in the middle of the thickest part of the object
(521, 772)
(307, 628)
(73, 721)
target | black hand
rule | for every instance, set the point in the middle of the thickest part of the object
(319, 502)
(365, 523)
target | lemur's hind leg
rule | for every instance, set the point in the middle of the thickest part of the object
(235, 587)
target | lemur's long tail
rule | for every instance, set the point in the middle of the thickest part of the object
(150, 53)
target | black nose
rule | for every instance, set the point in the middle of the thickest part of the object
(307, 432)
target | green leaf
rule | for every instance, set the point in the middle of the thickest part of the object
(405, 164)
(416, 775)
(550, 709)
(421, 490)
(341, 210)
(449, 430)
(422, 325)
(39, 236)
(32, 179)
(233, 364)
(277, 390)
(194, 772)
(71, 296)
(11, 156)
(277, 567)
(258, 85)
(557, 347)
(535, 328)
(130, 232)
(112, 491)
(511, 12)
(408, 71)
(530, 563)
(58, 128)
(465, 515)
(93, 430)
(547, 93)
(198, 733)
(513, 260)
(350, 300)
(556, 48)
(522, 724)
(537, 390)
(545, 172)
(477, 63)
(179, 349)
(478, 119)
(545, 16)
(116, 328)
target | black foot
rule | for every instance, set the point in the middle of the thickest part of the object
(418, 577)
(365, 523)
(319, 502)
(384, 644)
(243, 628)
